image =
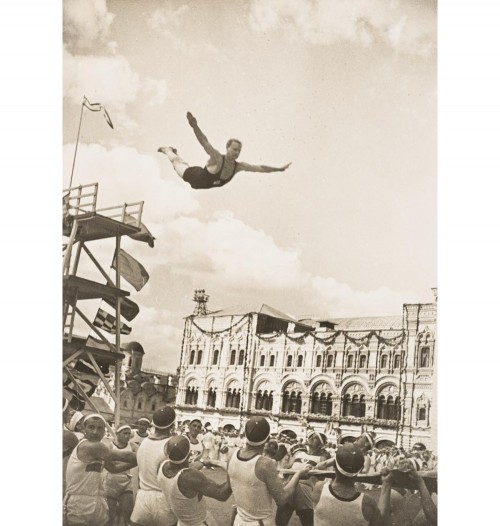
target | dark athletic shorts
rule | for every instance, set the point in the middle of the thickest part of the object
(199, 178)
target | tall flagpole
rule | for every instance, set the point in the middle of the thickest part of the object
(76, 146)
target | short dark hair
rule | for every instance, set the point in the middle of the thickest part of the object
(230, 141)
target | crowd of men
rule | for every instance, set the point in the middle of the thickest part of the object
(158, 475)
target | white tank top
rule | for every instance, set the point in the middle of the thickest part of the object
(119, 477)
(251, 495)
(83, 478)
(196, 450)
(189, 512)
(149, 457)
(137, 439)
(344, 512)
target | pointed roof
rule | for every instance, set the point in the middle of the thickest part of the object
(384, 323)
(261, 308)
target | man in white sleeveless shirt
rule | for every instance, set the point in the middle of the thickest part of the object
(151, 508)
(254, 478)
(84, 502)
(185, 488)
(341, 503)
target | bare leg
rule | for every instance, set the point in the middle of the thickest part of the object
(180, 166)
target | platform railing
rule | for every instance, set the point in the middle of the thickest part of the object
(80, 199)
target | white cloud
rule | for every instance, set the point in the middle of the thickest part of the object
(407, 27)
(86, 24)
(330, 297)
(109, 80)
(125, 175)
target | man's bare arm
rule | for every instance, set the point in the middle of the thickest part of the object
(193, 480)
(266, 471)
(119, 467)
(89, 451)
(430, 509)
(202, 139)
(261, 168)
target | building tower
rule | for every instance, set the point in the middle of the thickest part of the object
(134, 353)
(201, 300)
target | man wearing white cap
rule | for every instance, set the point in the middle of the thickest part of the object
(75, 424)
(302, 499)
(84, 502)
(151, 507)
(185, 488)
(341, 503)
(140, 433)
(118, 486)
(254, 478)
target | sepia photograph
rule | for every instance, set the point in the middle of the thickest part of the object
(250, 290)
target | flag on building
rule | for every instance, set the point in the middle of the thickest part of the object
(98, 107)
(128, 309)
(130, 269)
(107, 322)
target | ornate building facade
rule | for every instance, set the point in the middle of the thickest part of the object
(339, 376)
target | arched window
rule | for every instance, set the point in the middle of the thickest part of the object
(289, 360)
(125, 403)
(259, 401)
(347, 406)
(268, 401)
(233, 357)
(321, 399)
(191, 358)
(315, 403)
(422, 413)
(362, 406)
(381, 407)
(383, 361)
(200, 356)
(241, 357)
(329, 360)
(262, 360)
(215, 360)
(300, 360)
(292, 398)
(191, 395)
(424, 357)
(397, 361)
(362, 361)
(153, 406)
(271, 361)
(350, 359)
(318, 360)
(212, 396)
(388, 406)
(139, 404)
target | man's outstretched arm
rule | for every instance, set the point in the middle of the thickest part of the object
(200, 135)
(262, 168)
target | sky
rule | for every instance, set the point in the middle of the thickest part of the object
(345, 90)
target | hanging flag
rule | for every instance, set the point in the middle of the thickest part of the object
(131, 270)
(144, 235)
(107, 321)
(128, 309)
(98, 107)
